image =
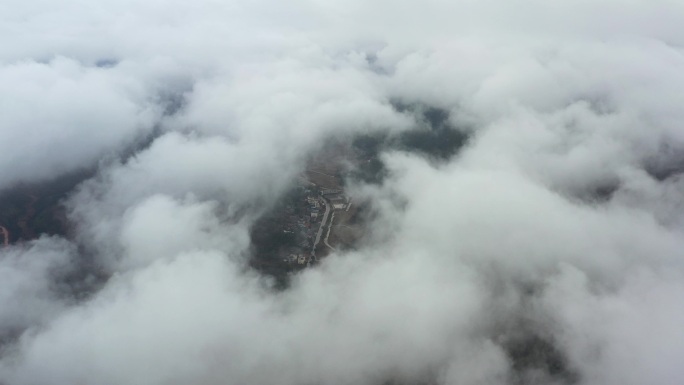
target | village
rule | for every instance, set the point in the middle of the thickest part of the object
(317, 225)
(314, 219)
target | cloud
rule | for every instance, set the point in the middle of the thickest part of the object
(32, 277)
(547, 250)
(61, 116)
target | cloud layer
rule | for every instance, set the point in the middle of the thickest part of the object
(547, 251)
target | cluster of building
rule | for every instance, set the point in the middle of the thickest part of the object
(337, 199)
(302, 219)
(299, 259)
(315, 204)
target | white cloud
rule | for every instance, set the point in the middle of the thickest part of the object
(505, 242)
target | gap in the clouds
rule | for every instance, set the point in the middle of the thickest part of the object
(434, 137)
(667, 163)
(314, 218)
(138, 146)
(527, 339)
(106, 63)
(597, 193)
(317, 217)
(663, 166)
(375, 66)
(174, 100)
(535, 358)
(30, 210)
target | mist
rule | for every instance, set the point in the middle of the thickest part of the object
(521, 199)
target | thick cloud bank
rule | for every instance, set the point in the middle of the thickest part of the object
(548, 250)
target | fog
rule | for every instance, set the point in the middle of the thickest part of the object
(549, 249)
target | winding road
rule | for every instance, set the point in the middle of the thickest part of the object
(325, 241)
(322, 173)
(320, 229)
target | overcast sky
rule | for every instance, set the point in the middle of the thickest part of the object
(503, 245)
